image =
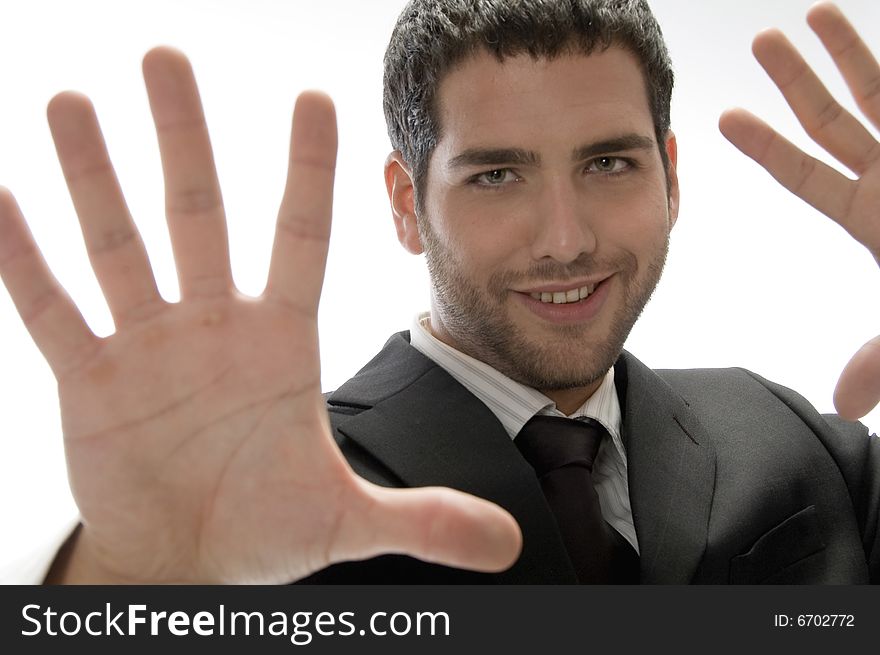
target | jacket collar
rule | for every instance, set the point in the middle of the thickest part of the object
(429, 430)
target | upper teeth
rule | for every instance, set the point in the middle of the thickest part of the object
(562, 297)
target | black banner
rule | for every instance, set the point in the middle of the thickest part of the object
(432, 619)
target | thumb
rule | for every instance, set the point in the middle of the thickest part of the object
(437, 525)
(858, 389)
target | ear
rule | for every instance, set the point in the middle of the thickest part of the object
(672, 175)
(401, 194)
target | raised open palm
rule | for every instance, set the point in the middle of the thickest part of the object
(197, 441)
(854, 204)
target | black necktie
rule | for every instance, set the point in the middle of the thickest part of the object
(562, 451)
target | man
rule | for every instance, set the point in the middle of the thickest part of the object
(545, 227)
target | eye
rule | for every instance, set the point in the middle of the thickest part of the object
(495, 177)
(608, 165)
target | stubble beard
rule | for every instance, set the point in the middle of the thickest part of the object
(477, 321)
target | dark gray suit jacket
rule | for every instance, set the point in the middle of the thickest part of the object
(732, 479)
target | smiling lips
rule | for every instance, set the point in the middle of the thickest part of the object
(556, 304)
(563, 297)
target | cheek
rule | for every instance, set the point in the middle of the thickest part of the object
(634, 223)
(482, 237)
(465, 214)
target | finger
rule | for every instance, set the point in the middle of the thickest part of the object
(114, 245)
(823, 118)
(302, 233)
(439, 525)
(52, 319)
(193, 203)
(858, 389)
(855, 61)
(817, 183)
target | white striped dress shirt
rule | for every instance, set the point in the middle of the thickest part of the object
(514, 404)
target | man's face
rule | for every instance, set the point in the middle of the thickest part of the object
(546, 213)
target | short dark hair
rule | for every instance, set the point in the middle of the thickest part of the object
(432, 36)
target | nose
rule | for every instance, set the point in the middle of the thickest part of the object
(563, 230)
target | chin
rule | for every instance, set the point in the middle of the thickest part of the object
(569, 365)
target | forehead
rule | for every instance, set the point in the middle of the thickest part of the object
(524, 99)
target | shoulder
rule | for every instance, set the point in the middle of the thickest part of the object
(744, 410)
(742, 397)
(718, 392)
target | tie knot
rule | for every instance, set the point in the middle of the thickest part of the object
(551, 442)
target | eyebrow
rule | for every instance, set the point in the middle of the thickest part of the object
(518, 156)
(616, 144)
(493, 157)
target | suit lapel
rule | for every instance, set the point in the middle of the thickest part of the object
(671, 466)
(430, 431)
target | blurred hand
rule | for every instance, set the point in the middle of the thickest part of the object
(854, 204)
(197, 440)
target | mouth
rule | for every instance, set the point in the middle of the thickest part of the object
(578, 301)
(575, 294)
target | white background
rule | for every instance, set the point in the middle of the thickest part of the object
(755, 277)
